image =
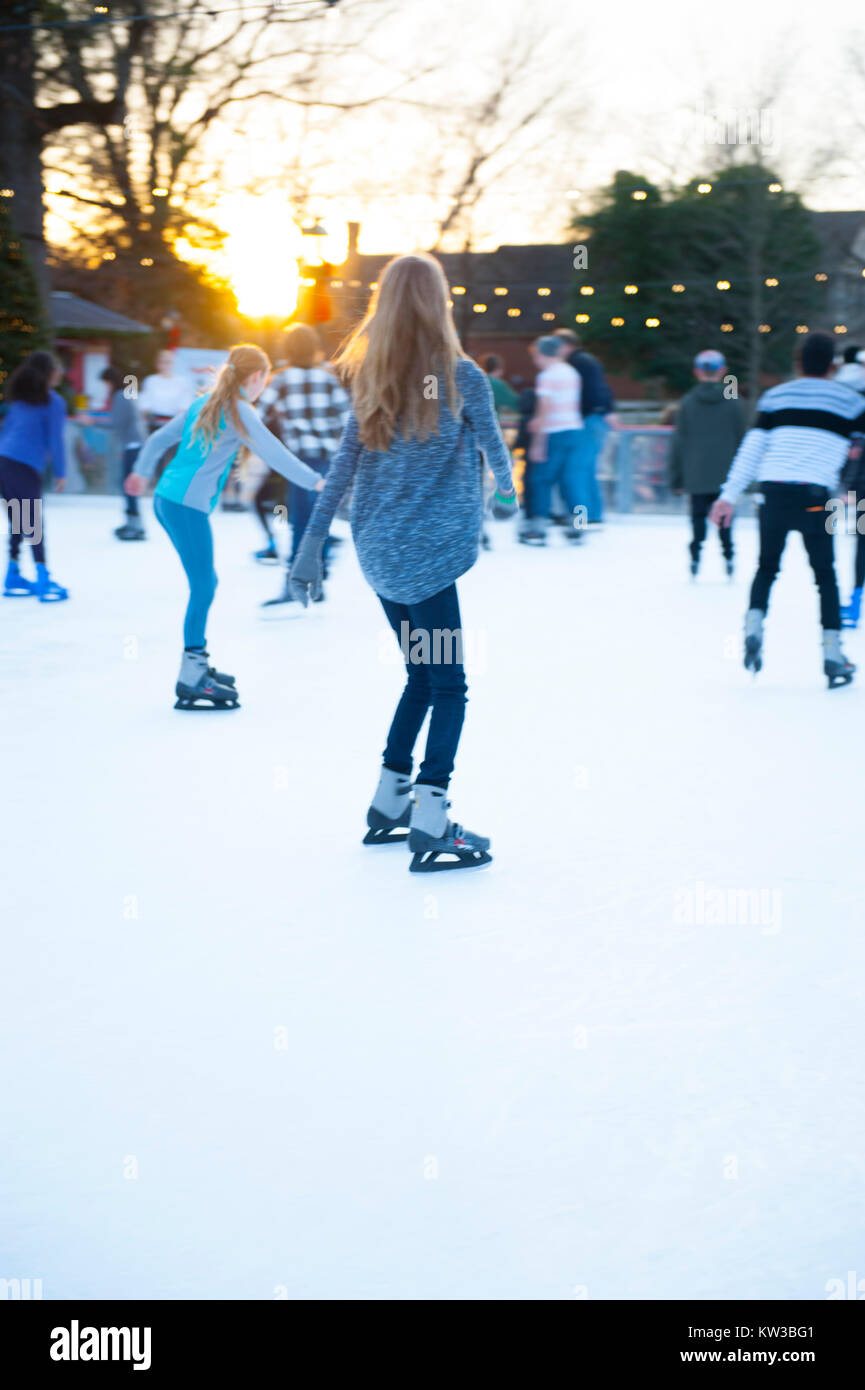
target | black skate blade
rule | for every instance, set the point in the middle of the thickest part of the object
(838, 679)
(434, 861)
(203, 704)
(386, 837)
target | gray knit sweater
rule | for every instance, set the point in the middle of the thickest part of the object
(416, 508)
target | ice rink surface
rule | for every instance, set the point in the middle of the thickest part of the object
(245, 1056)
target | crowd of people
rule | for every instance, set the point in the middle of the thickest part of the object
(411, 428)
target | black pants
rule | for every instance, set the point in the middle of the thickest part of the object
(701, 505)
(797, 507)
(273, 490)
(859, 564)
(430, 637)
(127, 463)
(21, 486)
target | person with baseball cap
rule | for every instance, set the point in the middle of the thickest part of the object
(709, 429)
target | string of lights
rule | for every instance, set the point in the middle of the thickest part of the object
(357, 298)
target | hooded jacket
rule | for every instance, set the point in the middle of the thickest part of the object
(709, 429)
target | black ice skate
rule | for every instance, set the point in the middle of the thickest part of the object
(836, 668)
(533, 533)
(438, 843)
(388, 816)
(195, 683)
(754, 640)
(131, 530)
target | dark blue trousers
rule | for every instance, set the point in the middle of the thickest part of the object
(431, 641)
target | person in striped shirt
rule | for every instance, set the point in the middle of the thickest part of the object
(795, 450)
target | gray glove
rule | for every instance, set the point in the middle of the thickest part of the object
(504, 505)
(306, 575)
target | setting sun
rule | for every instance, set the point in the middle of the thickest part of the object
(261, 254)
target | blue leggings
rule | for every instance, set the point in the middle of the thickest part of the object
(190, 534)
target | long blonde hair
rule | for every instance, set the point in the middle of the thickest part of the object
(221, 404)
(407, 339)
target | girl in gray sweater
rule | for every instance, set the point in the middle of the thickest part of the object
(421, 411)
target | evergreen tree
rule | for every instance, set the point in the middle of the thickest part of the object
(739, 234)
(22, 326)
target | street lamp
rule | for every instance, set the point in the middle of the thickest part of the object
(312, 241)
(315, 265)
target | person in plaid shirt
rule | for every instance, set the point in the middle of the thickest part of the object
(304, 406)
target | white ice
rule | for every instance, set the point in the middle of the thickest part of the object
(245, 1056)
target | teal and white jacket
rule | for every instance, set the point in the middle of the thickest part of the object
(199, 470)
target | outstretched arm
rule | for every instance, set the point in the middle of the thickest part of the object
(479, 410)
(339, 476)
(156, 446)
(273, 452)
(306, 573)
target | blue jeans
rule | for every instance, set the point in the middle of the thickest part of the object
(562, 465)
(190, 534)
(434, 676)
(302, 504)
(594, 433)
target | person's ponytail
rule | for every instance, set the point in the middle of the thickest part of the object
(222, 402)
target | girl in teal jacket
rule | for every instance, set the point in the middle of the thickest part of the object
(210, 434)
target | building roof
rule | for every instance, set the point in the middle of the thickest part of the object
(520, 270)
(841, 233)
(523, 271)
(70, 312)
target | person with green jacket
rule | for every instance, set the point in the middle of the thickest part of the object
(709, 429)
(504, 396)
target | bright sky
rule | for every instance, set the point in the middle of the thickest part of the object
(632, 82)
(618, 86)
